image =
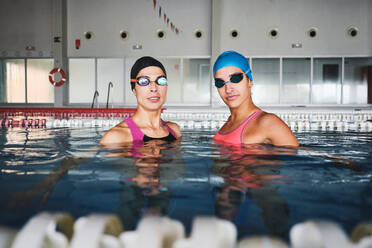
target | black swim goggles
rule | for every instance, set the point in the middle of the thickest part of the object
(144, 81)
(234, 78)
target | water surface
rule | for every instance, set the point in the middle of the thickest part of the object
(262, 189)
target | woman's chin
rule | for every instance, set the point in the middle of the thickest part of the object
(153, 106)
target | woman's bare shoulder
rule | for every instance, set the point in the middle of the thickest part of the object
(176, 129)
(268, 119)
(117, 135)
(276, 130)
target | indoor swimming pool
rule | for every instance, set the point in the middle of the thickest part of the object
(262, 190)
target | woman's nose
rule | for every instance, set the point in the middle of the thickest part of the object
(153, 86)
(228, 87)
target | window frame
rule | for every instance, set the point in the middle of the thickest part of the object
(26, 103)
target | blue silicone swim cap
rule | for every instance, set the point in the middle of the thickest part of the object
(232, 58)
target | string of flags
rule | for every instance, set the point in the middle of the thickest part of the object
(165, 17)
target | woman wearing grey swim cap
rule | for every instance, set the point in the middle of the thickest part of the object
(149, 85)
(247, 123)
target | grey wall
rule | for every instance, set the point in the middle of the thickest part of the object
(254, 18)
(30, 23)
(25, 23)
(138, 17)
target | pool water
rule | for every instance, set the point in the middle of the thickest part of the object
(262, 189)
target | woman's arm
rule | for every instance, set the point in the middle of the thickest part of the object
(276, 131)
(117, 135)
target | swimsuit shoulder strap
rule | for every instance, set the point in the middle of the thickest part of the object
(136, 132)
(169, 129)
(236, 136)
(244, 123)
(249, 119)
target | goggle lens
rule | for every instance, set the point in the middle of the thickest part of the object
(144, 81)
(161, 81)
(235, 78)
(219, 83)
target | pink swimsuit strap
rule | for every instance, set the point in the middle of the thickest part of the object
(236, 136)
(169, 129)
(136, 132)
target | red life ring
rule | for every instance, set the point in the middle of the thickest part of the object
(63, 75)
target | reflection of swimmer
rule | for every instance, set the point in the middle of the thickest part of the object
(154, 159)
(249, 177)
(149, 85)
(336, 160)
(146, 178)
(247, 123)
(252, 153)
(22, 199)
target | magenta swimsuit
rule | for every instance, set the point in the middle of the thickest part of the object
(138, 135)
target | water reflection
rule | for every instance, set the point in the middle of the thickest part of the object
(145, 186)
(20, 200)
(254, 186)
(251, 175)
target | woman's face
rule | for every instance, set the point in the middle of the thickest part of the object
(152, 96)
(233, 94)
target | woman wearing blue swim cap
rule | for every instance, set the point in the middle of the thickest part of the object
(247, 123)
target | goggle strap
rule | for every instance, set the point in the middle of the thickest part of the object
(249, 74)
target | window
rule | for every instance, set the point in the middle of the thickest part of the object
(129, 96)
(110, 70)
(173, 68)
(196, 81)
(326, 86)
(189, 80)
(26, 81)
(14, 81)
(296, 81)
(266, 80)
(356, 83)
(82, 80)
(39, 89)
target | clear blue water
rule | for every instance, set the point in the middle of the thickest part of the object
(262, 189)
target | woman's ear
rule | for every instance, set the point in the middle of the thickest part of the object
(134, 91)
(250, 83)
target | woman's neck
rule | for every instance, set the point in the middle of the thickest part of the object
(146, 118)
(243, 110)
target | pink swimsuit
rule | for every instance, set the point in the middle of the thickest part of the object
(139, 138)
(138, 135)
(235, 136)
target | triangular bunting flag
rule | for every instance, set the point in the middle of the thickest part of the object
(165, 17)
